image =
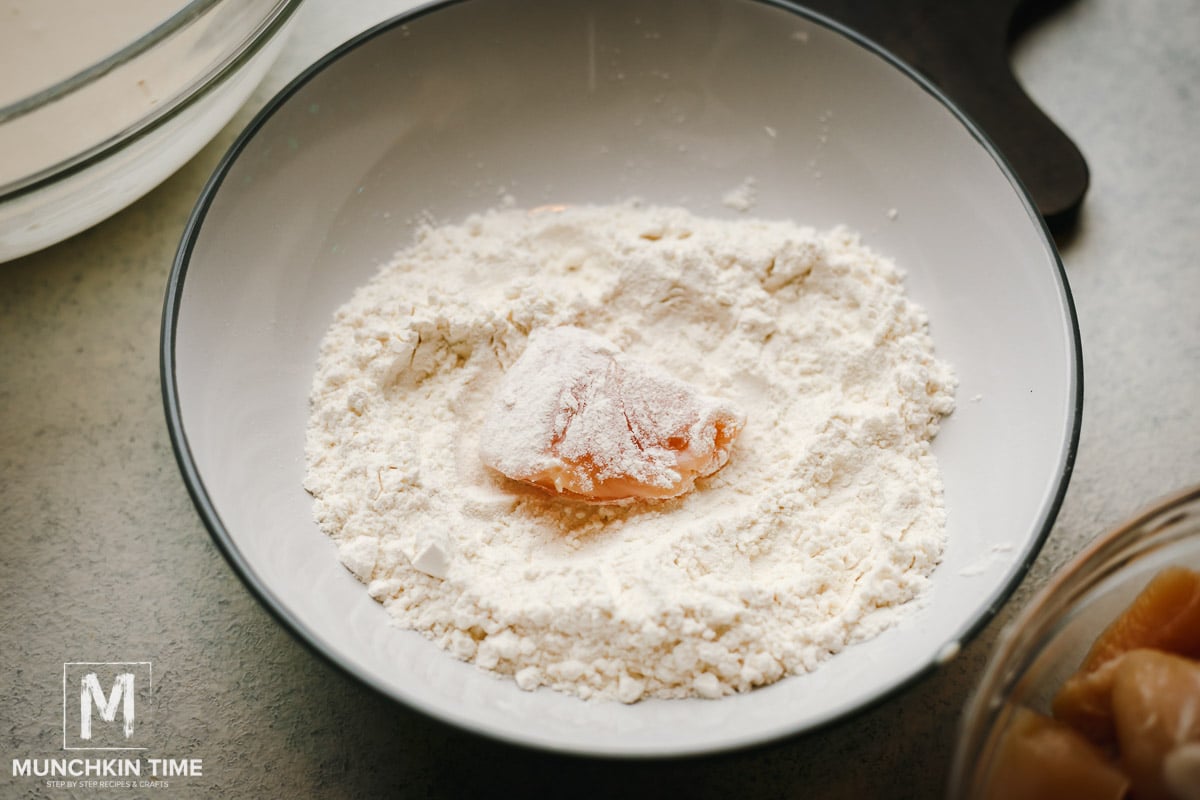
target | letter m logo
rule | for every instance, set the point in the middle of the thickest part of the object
(90, 694)
(105, 691)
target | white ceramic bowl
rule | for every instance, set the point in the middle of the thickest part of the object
(675, 101)
(81, 149)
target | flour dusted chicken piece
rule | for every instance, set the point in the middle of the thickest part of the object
(579, 418)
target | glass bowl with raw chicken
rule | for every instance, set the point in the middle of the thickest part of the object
(1094, 691)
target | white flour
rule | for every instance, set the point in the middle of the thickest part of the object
(826, 521)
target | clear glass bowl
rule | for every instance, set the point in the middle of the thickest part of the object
(1040, 649)
(85, 147)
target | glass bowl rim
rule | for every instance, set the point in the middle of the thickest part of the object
(271, 22)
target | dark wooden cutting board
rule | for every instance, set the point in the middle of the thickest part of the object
(963, 47)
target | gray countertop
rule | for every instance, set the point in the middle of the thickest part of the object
(104, 558)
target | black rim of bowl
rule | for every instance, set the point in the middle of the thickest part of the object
(978, 619)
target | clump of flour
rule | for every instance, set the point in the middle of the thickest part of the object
(743, 196)
(826, 521)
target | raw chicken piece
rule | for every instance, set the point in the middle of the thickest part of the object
(1156, 710)
(1164, 616)
(1042, 759)
(1085, 702)
(578, 418)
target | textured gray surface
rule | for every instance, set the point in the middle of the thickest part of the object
(105, 559)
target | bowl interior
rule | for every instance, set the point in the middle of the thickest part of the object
(590, 102)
